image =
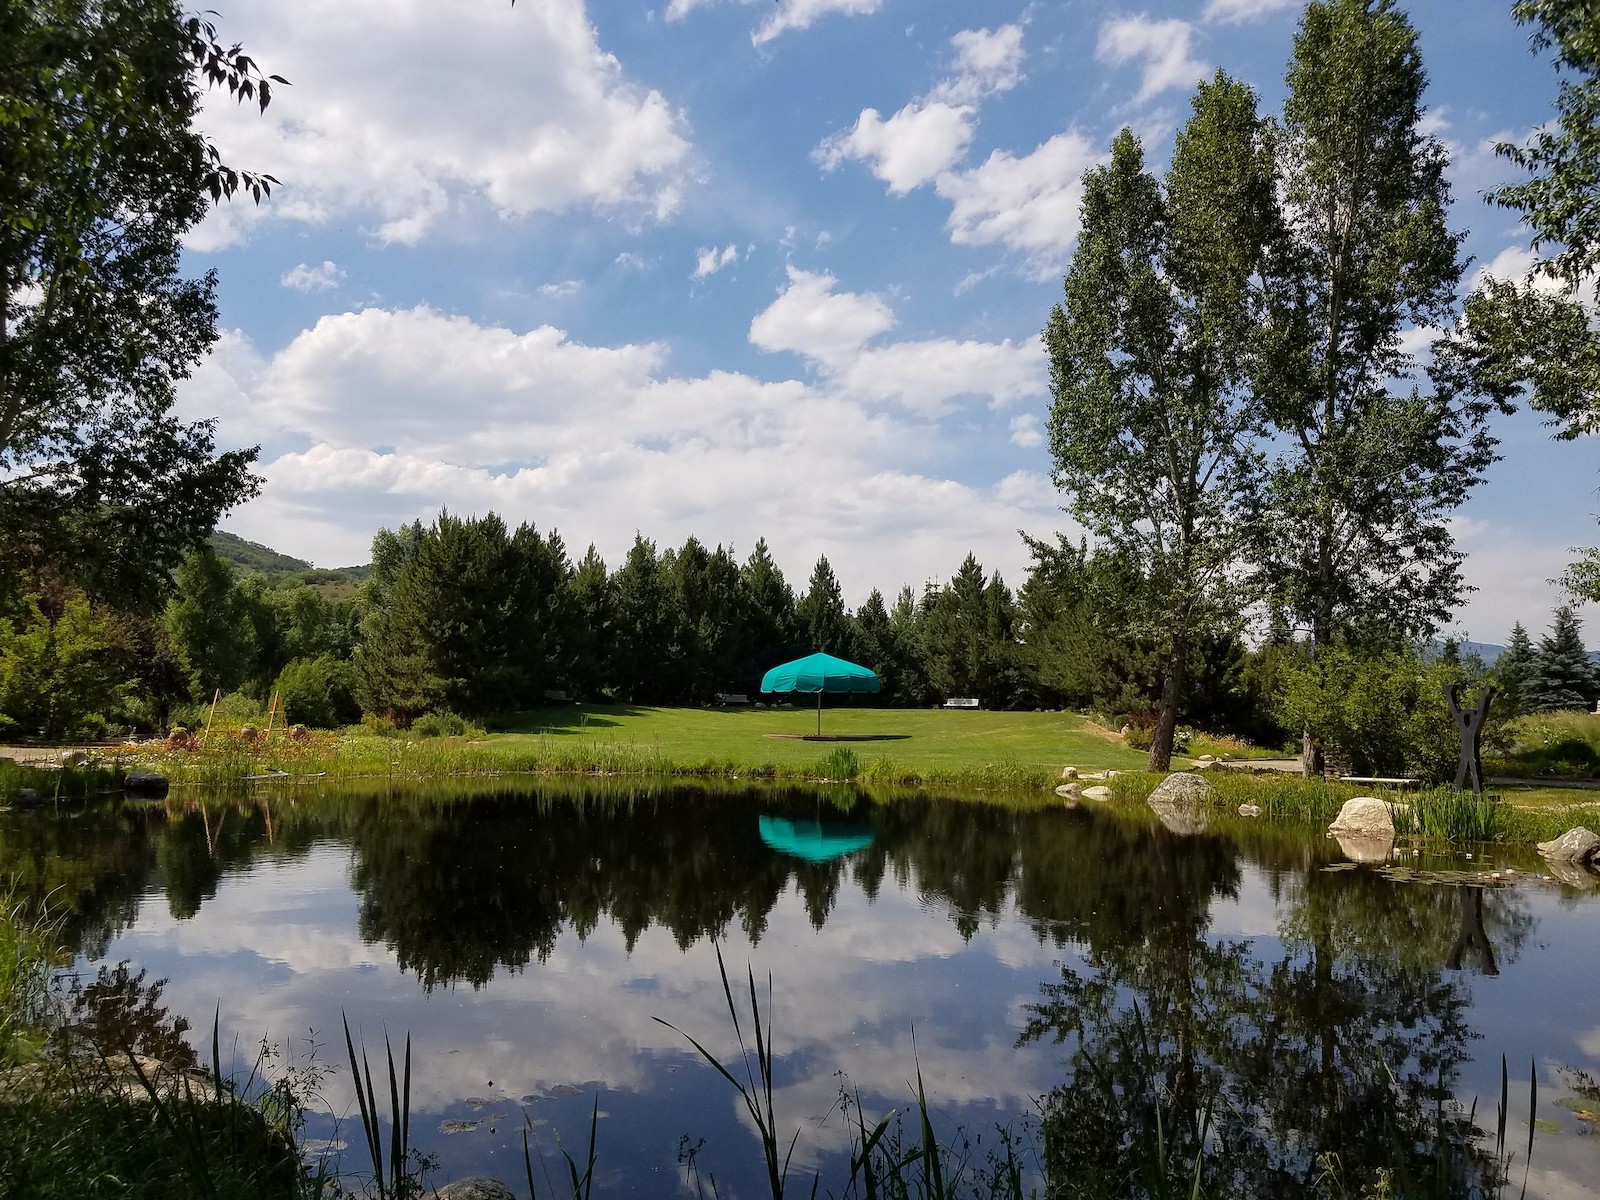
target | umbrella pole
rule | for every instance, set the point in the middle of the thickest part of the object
(819, 714)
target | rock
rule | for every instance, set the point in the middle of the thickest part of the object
(145, 783)
(1180, 801)
(1099, 792)
(1069, 772)
(1109, 774)
(1181, 786)
(74, 758)
(1365, 816)
(1577, 845)
(248, 733)
(1207, 758)
(1366, 847)
(1068, 791)
(1249, 810)
(477, 1187)
(26, 798)
(1203, 765)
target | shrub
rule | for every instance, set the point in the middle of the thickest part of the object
(441, 722)
(318, 692)
(375, 726)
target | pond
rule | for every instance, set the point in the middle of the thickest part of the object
(1062, 974)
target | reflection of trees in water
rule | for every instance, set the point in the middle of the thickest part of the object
(1344, 1040)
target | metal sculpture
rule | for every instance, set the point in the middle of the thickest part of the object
(1469, 724)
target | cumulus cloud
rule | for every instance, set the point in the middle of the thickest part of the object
(833, 330)
(371, 418)
(1236, 12)
(519, 107)
(711, 260)
(930, 135)
(1029, 204)
(305, 278)
(1162, 47)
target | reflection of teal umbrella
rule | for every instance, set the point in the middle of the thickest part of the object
(812, 840)
(820, 673)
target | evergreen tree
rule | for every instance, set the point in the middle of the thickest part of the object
(1513, 671)
(1562, 676)
(643, 651)
(588, 666)
(775, 633)
(821, 613)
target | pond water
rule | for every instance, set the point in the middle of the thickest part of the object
(1048, 970)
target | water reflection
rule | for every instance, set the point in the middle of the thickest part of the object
(1341, 1027)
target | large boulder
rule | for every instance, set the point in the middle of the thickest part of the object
(1180, 801)
(478, 1187)
(1098, 792)
(74, 758)
(1577, 845)
(1365, 817)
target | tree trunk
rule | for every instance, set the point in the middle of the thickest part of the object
(1171, 692)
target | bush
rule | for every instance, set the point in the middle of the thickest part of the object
(375, 726)
(441, 722)
(319, 692)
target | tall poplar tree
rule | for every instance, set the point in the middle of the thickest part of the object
(1153, 418)
(1354, 533)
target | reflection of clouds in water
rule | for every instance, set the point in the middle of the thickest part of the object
(279, 948)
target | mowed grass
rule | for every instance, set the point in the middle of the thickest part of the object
(927, 741)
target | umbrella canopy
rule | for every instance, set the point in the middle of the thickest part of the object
(820, 673)
(814, 841)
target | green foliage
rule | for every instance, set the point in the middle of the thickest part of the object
(1382, 706)
(1452, 815)
(98, 103)
(1153, 420)
(319, 692)
(208, 622)
(1377, 452)
(1512, 673)
(60, 675)
(444, 723)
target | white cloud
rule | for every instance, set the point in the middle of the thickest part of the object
(912, 147)
(562, 289)
(809, 318)
(519, 107)
(1029, 204)
(1025, 431)
(1163, 46)
(930, 135)
(305, 278)
(987, 61)
(712, 260)
(1235, 12)
(833, 329)
(801, 14)
(372, 418)
(630, 261)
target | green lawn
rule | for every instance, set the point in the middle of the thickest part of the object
(920, 740)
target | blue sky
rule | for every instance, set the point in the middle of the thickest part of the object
(744, 268)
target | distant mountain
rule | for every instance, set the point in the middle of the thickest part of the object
(285, 570)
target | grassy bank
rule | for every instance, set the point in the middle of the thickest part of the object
(893, 747)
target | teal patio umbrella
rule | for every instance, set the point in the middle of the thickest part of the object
(820, 673)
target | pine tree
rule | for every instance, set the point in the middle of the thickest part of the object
(822, 615)
(1562, 676)
(1512, 673)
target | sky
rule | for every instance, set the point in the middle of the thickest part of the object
(746, 268)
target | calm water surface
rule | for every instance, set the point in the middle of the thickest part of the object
(530, 939)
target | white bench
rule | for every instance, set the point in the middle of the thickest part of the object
(1381, 780)
(961, 702)
(732, 698)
